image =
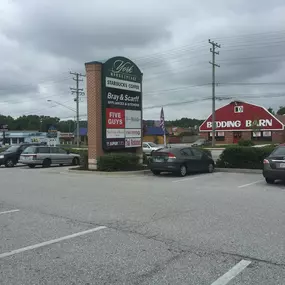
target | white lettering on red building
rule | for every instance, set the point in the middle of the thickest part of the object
(239, 124)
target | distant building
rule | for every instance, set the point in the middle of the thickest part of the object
(240, 120)
(155, 134)
(83, 135)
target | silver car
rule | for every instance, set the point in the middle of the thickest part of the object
(149, 147)
(48, 155)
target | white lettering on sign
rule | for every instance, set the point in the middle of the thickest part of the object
(238, 124)
(115, 115)
(115, 121)
(121, 66)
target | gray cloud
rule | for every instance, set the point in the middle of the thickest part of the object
(41, 41)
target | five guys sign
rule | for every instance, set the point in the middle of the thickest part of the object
(241, 116)
(122, 104)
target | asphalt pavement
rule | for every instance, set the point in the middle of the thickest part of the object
(60, 227)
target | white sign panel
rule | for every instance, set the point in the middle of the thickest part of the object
(115, 133)
(133, 133)
(123, 84)
(133, 119)
(133, 142)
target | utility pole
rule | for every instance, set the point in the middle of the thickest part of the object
(77, 91)
(214, 65)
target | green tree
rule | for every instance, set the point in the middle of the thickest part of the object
(281, 110)
(271, 111)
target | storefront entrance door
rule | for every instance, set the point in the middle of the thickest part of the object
(236, 137)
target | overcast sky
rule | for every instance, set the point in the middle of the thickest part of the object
(42, 41)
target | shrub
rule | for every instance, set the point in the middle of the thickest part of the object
(243, 142)
(244, 157)
(118, 162)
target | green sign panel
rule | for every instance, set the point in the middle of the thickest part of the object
(122, 104)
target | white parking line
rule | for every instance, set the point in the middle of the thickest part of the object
(232, 273)
(194, 177)
(249, 184)
(35, 246)
(185, 179)
(8, 212)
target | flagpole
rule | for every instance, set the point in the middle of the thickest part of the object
(162, 124)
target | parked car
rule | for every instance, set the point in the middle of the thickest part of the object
(201, 142)
(274, 165)
(149, 147)
(181, 160)
(11, 155)
(48, 155)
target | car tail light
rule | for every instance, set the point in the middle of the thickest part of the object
(266, 161)
(171, 155)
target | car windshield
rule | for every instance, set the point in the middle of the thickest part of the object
(12, 148)
(278, 151)
(152, 144)
(29, 150)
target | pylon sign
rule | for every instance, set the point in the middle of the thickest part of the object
(121, 104)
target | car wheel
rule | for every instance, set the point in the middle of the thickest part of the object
(269, 181)
(31, 165)
(183, 171)
(75, 161)
(9, 163)
(46, 163)
(211, 168)
(155, 172)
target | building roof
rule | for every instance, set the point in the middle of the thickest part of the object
(155, 131)
(281, 118)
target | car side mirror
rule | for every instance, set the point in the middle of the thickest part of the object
(68, 152)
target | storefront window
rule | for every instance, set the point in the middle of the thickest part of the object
(220, 136)
(261, 136)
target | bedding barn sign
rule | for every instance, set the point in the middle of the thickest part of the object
(122, 104)
(241, 116)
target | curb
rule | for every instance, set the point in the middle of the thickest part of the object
(239, 170)
(140, 172)
(147, 171)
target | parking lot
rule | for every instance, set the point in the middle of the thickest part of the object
(60, 227)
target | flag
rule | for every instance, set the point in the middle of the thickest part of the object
(162, 119)
(162, 125)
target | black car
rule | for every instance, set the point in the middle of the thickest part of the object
(11, 155)
(181, 161)
(274, 165)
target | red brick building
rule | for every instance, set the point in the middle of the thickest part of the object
(240, 120)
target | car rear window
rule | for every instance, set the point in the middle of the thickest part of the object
(278, 151)
(29, 150)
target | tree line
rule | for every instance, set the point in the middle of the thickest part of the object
(42, 123)
(39, 123)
